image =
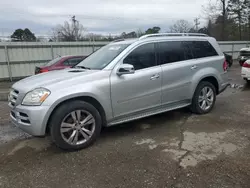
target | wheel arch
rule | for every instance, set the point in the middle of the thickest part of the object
(90, 99)
(209, 78)
(213, 81)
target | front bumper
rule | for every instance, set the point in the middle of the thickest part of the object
(30, 119)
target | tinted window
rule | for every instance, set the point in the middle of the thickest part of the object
(171, 51)
(142, 57)
(202, 49)
(187, 51)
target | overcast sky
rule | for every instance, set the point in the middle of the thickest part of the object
(102, 16)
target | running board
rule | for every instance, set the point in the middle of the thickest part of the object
(146, 114)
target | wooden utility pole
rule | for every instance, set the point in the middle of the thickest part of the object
(223, 19)
(197, 23)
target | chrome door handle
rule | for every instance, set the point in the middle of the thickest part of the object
(154, 77)
(193, 67)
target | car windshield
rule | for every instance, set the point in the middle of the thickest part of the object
(53, 61)
(102, 57)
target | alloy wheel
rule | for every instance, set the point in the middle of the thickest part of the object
(77, 127)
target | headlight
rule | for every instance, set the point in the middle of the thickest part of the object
(36, 97)
(9, 95)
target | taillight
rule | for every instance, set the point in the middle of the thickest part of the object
(43, 70)
(246, 65)
(225, 65)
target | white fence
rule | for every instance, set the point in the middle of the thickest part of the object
(18, 59)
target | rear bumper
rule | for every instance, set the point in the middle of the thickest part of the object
(223, 82)
(223, 87)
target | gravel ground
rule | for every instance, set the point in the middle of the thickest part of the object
(174, 149)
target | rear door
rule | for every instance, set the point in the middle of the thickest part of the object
(178, 67)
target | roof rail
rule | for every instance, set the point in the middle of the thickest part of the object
(173, 34)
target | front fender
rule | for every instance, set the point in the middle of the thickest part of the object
(56, 98)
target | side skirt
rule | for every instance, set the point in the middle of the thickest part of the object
(150, 112)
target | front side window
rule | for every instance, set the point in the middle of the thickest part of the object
(142, 57)
(103, 56)
(202, 49)
(170, 51)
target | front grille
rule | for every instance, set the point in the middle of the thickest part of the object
(20, 117)
(245, 53)
(13, 96)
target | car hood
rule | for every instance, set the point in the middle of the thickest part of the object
(54, 79)
(245, 49)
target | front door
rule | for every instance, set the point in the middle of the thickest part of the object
(141, 91)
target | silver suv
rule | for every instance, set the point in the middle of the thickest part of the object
(123, 81)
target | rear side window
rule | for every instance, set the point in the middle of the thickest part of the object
(170, 51)
(202, 49)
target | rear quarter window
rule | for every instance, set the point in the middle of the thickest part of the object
(201, 49)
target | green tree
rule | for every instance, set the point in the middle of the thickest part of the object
(23, 35)
(153, 30)
(237, 9)
(28, 35)
(17, 35)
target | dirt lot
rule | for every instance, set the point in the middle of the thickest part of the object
(174, 149)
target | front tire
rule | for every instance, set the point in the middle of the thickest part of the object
(75, 125)
(204, 98)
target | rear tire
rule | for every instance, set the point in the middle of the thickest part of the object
(248, 82)
(75, 125)
(204, 98)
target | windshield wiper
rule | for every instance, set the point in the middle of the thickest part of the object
(82, 67)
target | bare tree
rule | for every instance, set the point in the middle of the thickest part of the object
(70, 31)
(211, 10)
(215, 9)
(181, 26)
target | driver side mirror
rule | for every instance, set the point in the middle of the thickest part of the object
(125, 69)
